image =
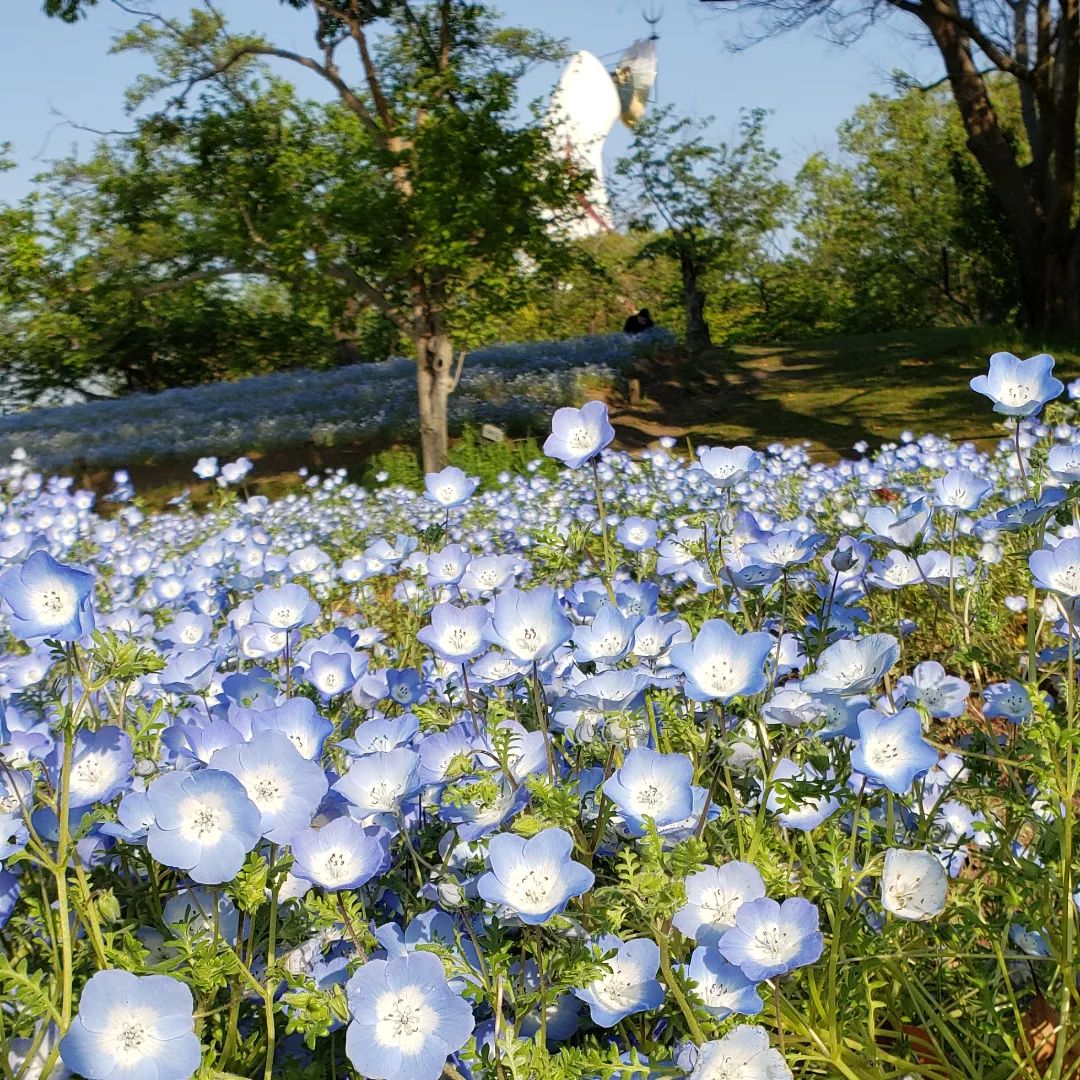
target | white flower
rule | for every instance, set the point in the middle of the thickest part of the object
(913, 884)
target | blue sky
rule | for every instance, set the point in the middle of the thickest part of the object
(49, 70)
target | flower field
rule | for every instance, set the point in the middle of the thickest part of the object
(508, 385)
(741, 767)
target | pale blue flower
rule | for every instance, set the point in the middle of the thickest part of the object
(579, 435)
(449, 488)
(341, 855)
(630, 986)
(853, 665)
(742, 1054)
(46, 599)
(771, 939)
(722, 664)
(406, 1021)
(132, 1027)
(534, 878)
(528, 624)
(652, 785)
(713, 896)
(891, 750)
(1018, 387)
(285, 786)
(722, 987)
(204, 823)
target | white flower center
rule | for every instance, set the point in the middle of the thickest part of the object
(205, 820)
(532, 888)
(404, 1020)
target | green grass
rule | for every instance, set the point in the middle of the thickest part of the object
(832, 391)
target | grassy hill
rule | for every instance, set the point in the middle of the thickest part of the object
(832, 391)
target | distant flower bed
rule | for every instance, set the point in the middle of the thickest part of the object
(509, 385)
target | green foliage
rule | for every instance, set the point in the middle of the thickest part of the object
(711, 210)
(901, 230)
(241, 227)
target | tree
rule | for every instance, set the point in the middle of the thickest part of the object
(900, 230)
(710, 207)
(416, 193)
(1034, 45)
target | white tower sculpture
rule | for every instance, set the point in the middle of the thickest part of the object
(584, 108)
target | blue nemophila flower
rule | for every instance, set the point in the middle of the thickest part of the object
(853, 665)
(722, 664)
(903, 528)
(727, 466)
(891, 750)
(206, 468)
(330, 673)
(1008, 700)
(636, 533)
(380, 783)
(189, 672)
(786, 548)
(1018, 387)
(713, 896)
(46, 599)
(1057, 569)
(406, 1021)
(620, 690)
(341, 855)
(913, 884)
(630, 986)
(528, 624)
(649, 784)
(809, 811)
(722, 987)
(204, 823)
(961, 490)
(607, 639)
(447, 567)
(456, 634)
(1064, 463)
(535, 878)
(101, 766)
(772, 939)
(742, 1054)
(299, 719)
(287, 608)
(578, 435)
(449, 488)
(131, 1027)
(941, 694)
(285, 786)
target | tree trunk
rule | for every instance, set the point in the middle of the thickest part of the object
(434, 384)
(698, 338)
(1037, 201)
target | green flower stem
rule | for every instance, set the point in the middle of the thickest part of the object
(271, 960)
(609, 566)
(663, 940)
(89, 918)
(67, 971)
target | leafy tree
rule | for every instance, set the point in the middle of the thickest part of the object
(901, 230)
(1032, 48)
(608, 281)
(709, 208)
(415, 194)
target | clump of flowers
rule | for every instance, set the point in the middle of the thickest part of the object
(744, 768)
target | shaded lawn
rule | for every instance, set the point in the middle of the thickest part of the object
(831, 391)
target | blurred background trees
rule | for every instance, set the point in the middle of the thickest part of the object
(239, 227)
